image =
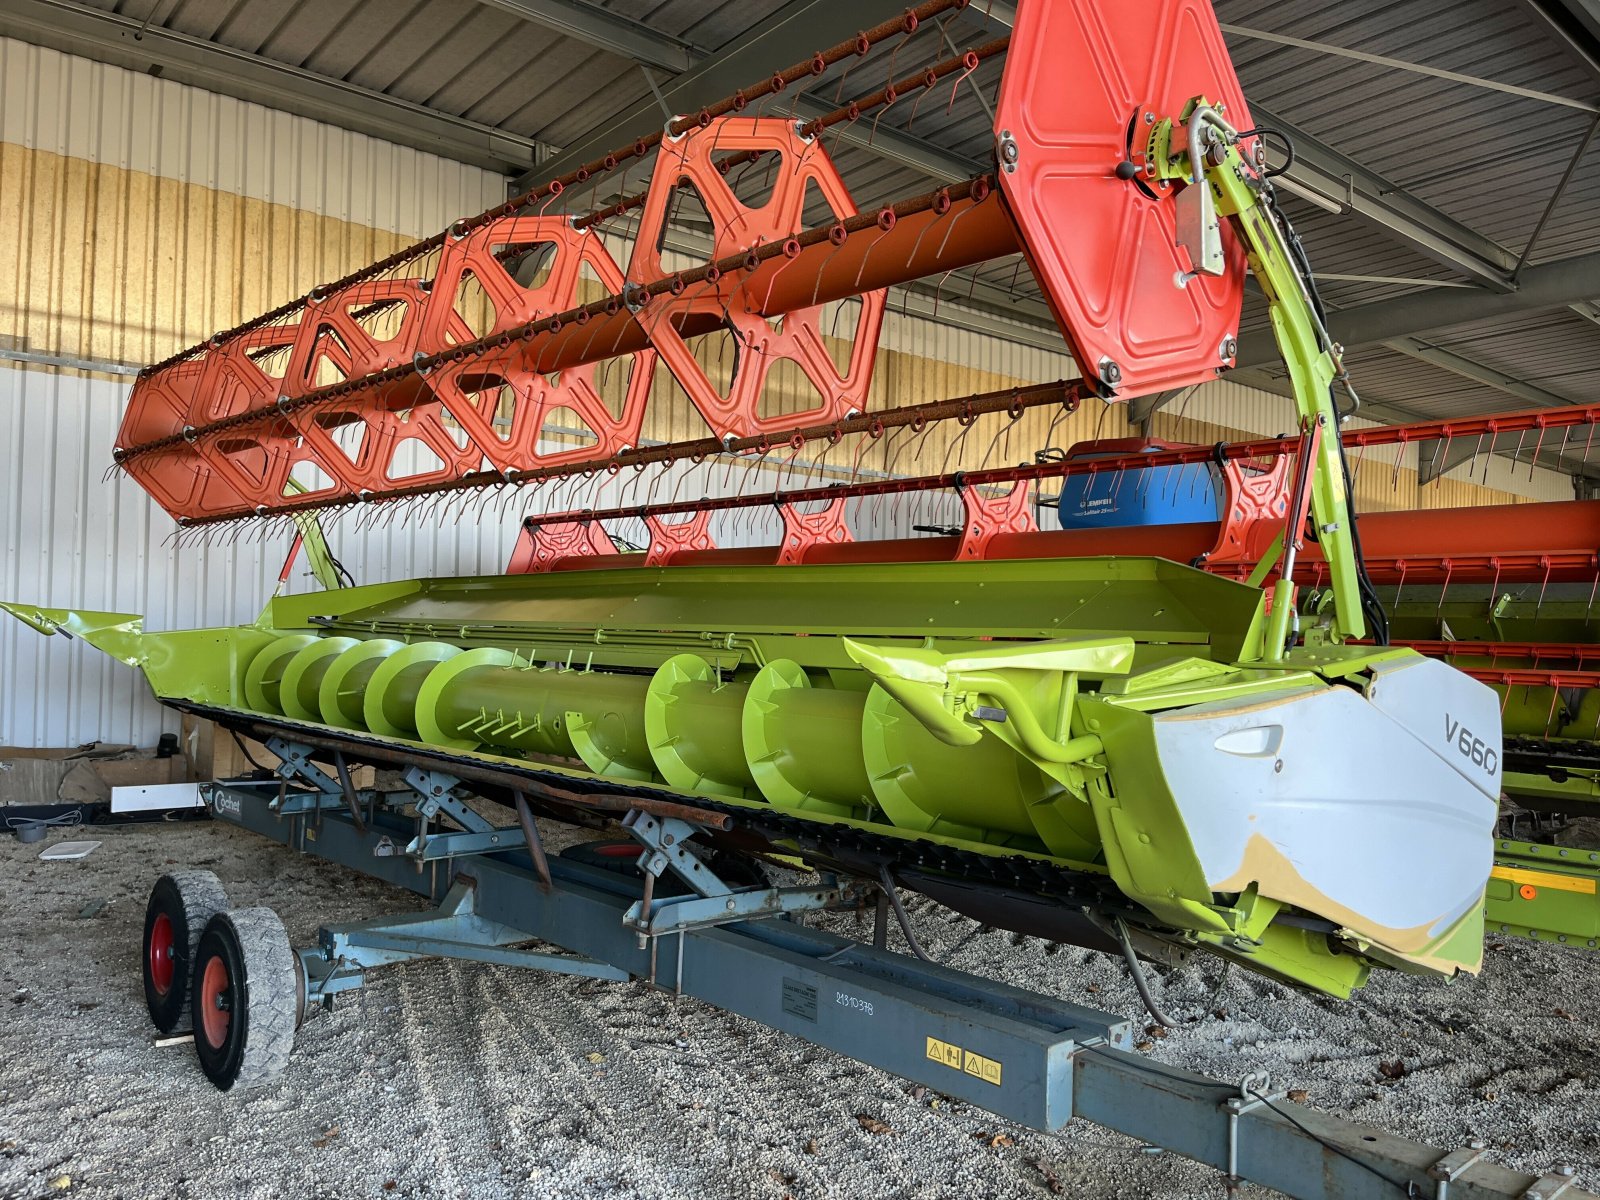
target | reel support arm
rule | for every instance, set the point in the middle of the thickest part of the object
(1236, 189)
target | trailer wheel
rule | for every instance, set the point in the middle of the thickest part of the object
(246, 998)
(180, 905)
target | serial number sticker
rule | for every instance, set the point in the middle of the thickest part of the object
(965, 1061)
(800, 999)
(856, 1003)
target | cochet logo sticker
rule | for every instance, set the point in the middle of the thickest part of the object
(1478, 752)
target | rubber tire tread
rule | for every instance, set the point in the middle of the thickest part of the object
(271, 999)
(200, 896)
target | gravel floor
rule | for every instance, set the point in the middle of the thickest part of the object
(467, 1081)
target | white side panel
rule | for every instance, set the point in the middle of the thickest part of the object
(152, 797)
(1453, 715)
(72, 538)
(78, 540)
(1391, 841)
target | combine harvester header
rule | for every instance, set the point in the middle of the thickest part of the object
(1129, 718)
(1126, 752)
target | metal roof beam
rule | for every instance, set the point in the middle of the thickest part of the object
(75, 28)
(1337, 183)
(606, 30)
(1543, 285)
(964, 290)
(959, 312)
(798, 27)
(1575, 24)
(1448, 360)
(1399, 64)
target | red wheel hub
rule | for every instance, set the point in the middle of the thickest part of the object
(215, 1001)
(158, 954)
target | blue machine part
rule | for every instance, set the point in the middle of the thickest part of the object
(1147, 496)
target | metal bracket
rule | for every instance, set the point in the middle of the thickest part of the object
(986, 516)
(716, 903)
(1551, 1185)
(435, 792)
(540, 547)
(438, 788)
(344, 953)
(450, 845)
(293, 803)
(1238, 1106)
(664, 841)
(667, 539)
(296, 764)
(1454, 1165)
(801, 531)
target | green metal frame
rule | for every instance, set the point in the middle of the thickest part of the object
(1548, 893)
(1228, 187)
(982, 705)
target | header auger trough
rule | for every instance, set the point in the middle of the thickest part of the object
(1114, 716)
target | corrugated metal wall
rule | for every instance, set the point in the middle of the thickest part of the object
(141, 216)
(79, 540)
(1385, 476)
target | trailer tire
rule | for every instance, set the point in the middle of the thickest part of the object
(246, 998)
(180, 905)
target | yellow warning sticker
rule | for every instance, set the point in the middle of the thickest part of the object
(957, 1059)
(944, 1052)
(983, 1068)
(1548, 879)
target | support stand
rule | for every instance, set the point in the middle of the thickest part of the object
(1027, 1057)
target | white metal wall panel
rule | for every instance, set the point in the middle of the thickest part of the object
(73, 539)
(77, 540)
(83, 109)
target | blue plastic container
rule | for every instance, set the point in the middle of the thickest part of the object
(1143, 496)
